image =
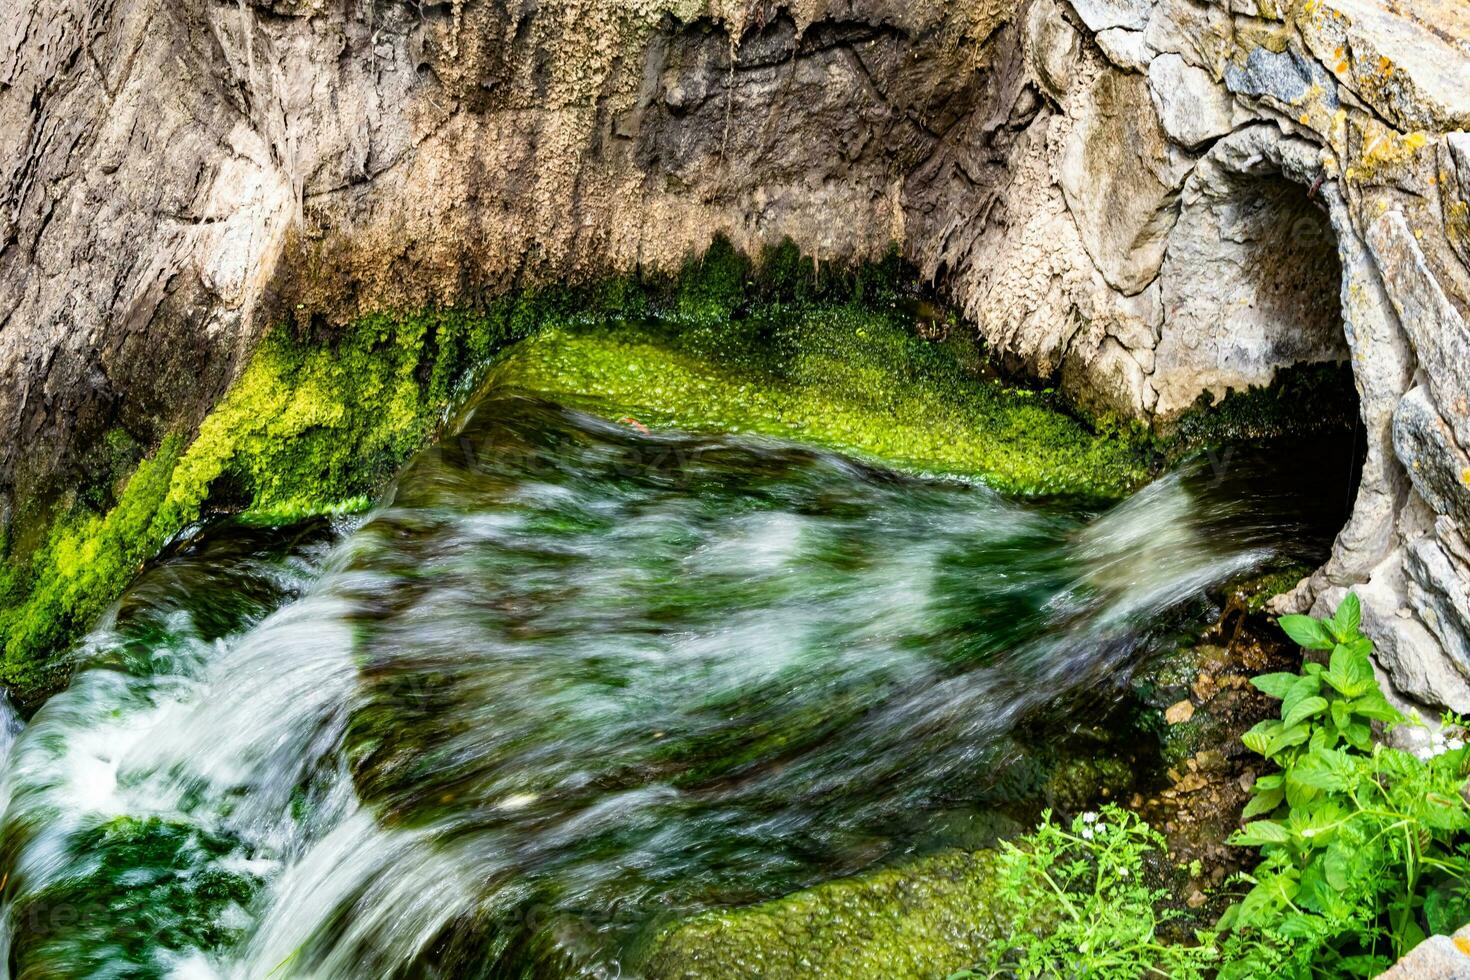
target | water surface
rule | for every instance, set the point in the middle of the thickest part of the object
(573, 680)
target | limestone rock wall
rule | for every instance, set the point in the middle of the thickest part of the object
(1205, 192)
(176, 174)
(1144, 199)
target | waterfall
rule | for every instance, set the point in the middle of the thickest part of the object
(569, 681)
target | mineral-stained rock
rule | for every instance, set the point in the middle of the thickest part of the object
(1410, 62)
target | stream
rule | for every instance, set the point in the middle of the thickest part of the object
(572, 681)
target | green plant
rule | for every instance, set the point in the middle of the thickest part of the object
(1078, 905)
(1363, 846)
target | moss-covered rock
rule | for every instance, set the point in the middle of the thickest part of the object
(320, 419)
(154, 884)
(312, 425)
(927, 919)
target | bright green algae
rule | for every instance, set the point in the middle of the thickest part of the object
(309, 427)
(846, 378)
(928, 919)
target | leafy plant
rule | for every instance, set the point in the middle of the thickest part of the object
(1075, 903)
(1363, 846)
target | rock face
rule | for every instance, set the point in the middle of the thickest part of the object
(175, 176)
(1213, 191)
(1145, 199)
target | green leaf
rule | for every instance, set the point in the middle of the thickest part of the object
(1359, 736)
(1304, 709)
(1227, 921)
(1443, 812)
(1260, 833)
(1447, 907)
(1406, 932)
(1308, 632)
(1286, 738)
(1348, 617)
(1274, 685)
(1272, 781)
(1258, 739)
(1351, 671)
(1302, 688)
(1375, 707)
(1300, 794)
(1337, 865)
(1364, 965)
(1263, 803)
(1311, 771)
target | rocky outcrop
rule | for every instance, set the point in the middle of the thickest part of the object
(1211, 191)
(1145, 199)
(176, 176)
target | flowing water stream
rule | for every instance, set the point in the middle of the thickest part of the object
(571, 681)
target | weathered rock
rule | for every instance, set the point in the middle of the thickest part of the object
(1157, 214)
(1410, 62)
(1437, 466)
(1202, 33)
(173, 181)
(1121, 177)
(1437, 958)
(1252, 278)
(1192, 108)
(1100, 15)
(1054, 47)
(1126, 49)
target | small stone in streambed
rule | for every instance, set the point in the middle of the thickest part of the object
(1179, 713)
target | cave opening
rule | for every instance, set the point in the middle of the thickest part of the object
(1254, 326)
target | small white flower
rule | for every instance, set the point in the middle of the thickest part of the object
(1087, 833)
(1122, 872)
(1089, 817)
(1102, 828)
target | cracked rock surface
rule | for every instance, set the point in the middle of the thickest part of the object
(1143, 199)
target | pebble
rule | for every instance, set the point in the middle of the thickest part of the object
(1178, 714)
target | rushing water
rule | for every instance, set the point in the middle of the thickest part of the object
(572, 681)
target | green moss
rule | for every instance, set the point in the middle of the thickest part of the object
(781, 346)
(1080, 782)
(848, 377)
(311, 426)
(152, 883)
(927, 919)
(1259, 414)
